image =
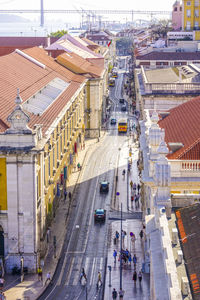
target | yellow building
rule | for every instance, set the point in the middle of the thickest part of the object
(191, 16)
(40, 136)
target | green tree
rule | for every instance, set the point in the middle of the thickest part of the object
(58, 33)
(161, 28)
(124, 45)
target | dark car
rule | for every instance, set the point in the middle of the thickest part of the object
(121, 100)
(99, 215)
(104, 187)
(113, 121)
(123, 108)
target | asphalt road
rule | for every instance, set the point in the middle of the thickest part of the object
(86, 242)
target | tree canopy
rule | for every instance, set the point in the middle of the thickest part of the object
(58, 33)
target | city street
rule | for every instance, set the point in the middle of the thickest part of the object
(86, 242)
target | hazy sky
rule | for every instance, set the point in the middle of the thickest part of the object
(88, 4)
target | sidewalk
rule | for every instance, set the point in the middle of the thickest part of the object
(31, 288)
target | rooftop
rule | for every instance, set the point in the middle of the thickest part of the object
(154, 55)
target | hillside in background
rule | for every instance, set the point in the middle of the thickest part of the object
(5, 18)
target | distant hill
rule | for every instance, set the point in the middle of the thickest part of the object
(4, 18)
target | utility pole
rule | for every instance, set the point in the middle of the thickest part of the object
(42, 13)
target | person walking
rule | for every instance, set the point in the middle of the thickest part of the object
(134, 260)
(65, 195)
(83, 275)
(99, 279)
(131, 184)
(117, 235)
(140, 277)
(121, 294)
(48, 278)
(141, 234)
(115, 255)
(138, 188)
(135, 277)
(130, 259)
(39, 271)
(114, 294)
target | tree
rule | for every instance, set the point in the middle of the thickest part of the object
(161, 28)
(124, 45)
(58, 33)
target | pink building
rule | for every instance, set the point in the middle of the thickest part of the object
(177, 16)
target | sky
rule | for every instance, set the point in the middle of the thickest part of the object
(87, 4)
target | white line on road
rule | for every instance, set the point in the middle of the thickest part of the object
(78, 270)
(92, 272)
(62, 270)
(70, 271)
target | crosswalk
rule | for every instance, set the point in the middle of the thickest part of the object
(71, 270)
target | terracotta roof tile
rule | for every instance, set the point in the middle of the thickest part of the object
(182, 126)
(19, 72)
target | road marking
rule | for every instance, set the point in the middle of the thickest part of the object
(70, 271)
(101, 264)
(92, 272)
(62, 270)
(77, 271)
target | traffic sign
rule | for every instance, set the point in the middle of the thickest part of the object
(131, 234)
(117, 193)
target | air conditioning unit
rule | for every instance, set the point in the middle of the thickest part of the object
(179, 256)
(174, 236)
(54, 171)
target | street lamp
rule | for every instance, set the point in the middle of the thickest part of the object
(121, 253)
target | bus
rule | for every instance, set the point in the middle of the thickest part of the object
(112, 82)
(122, 125)
(114, 73)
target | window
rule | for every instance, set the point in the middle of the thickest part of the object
(49, 163)
(196, 24)
(64, 137)
(53, 157)
(44, 175)
(188, 3)
(188, 25)
(196, 13)
(175, 8)
(57, 151)
(188, 13)
(61, 144)
(67, 133)
(196, 3)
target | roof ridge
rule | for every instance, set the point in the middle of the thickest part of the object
(189, 148)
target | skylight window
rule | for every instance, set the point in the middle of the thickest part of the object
(41, 101)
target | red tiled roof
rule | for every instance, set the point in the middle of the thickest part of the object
(170, 56)
(182, 126)
(19, 72)
(86, 66)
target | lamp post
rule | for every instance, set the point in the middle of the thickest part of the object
(121, 252)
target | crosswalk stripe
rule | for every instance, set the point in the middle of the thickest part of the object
(77, 272)
(101, 264)
(70, 271)
(92, 272)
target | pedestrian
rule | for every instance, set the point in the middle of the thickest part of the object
(65, 195)
(70, 196)
(138, 187)
(114, 294)
(123, 235)
(48, 278)
(121, 293)
(134, 187)
(117, 235)
(140, 277)
(78, 166)
(134, 260)
(130, 259)
(48, 235)
(83, 275)
(131, 184)
(39, 271)
(135, 277)
(2, 296)
(115, 255)
(141, 234)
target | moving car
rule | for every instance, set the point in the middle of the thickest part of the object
(104, 187)
(99, 215)
(121, 100)
(113, 121)
(123, 108)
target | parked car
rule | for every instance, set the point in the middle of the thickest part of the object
(123, 108)
(113, 121)
(121, 100)
(104, 187)
(99, 215)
